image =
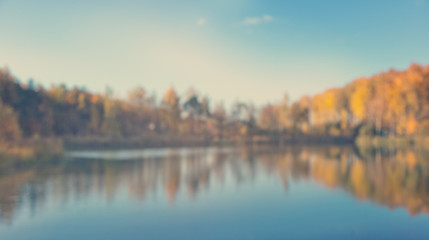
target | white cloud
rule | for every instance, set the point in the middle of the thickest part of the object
(201, 22)
(268, 18)
(251, 21)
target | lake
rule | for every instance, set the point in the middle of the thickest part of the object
(302, 192)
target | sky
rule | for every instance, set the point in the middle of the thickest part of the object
(229, 50)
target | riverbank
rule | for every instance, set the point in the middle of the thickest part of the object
(32, 148)
(35, 148)
(160, 141)
(392, 142)
(40, 148)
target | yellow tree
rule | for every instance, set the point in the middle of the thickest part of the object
(360, 98)
(172, 108)
(402, 103)
(411, 125)
(325, 107)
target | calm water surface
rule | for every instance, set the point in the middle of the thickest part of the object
(218, 193)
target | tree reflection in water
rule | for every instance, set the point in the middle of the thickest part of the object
(393, 178)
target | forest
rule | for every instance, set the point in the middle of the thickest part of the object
(390, 104)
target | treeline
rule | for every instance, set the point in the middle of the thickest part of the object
(390, 103)
(393, 103)
(30, 111)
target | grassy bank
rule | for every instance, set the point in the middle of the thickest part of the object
(41, 148)
(392, 142)
(161, 141)
(155, 141)
(32, 148)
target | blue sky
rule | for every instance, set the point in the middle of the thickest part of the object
(227, 50)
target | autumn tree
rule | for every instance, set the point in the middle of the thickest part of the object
(299, 114)
(219, 116)
(171, 106)
(140, 110)
(359, 99)
(269, 118)
(10, 131)
(243, 114)
(284, 111)
(111, 124)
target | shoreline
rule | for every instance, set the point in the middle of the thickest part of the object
(42, 148)
(179, 142)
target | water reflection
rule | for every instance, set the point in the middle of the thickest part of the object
(392, 178)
